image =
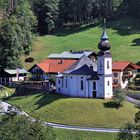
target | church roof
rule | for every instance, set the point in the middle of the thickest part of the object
(84, 70)
(84, 66)
(104, 35)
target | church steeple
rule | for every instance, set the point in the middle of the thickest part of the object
(104, 42)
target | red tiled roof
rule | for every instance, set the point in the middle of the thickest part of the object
(55, 65)
(119, 65)
(135, 66)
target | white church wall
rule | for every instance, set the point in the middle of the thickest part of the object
(71, 85)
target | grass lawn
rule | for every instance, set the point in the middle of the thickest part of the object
(62, 134)
(124, 35)
(9, 91)
(75, 111)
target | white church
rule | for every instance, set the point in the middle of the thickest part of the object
(87, 78)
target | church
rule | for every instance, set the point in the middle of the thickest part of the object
(87, 78)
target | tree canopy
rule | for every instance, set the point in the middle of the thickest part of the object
(20, 128)
(16, 33)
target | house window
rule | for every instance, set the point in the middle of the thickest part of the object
(94, 85)
(108, 83)
(108, 64)
(115, 74)
(59, 82)
(115, 81)
(82, 85)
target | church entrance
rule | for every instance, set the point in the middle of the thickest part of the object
(94, 94)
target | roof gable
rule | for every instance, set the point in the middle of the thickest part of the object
(121, 65)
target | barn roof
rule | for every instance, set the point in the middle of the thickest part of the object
(71, 54)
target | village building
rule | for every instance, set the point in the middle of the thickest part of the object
(49, 68)
(9, 77)
(123, 72)
(74, 55)
(89, 79)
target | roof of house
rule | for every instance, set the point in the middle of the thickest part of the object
(71, 54)
(84, 66)
(15, 71)
(121, 65)
(54, 65)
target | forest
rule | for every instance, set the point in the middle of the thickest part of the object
(22, 20)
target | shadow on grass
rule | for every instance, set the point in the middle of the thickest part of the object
(136, 42)
(125, 26)
(47, 98)
(111, 104)
(72, 30)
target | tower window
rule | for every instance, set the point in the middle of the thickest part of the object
(82, 85)
(108, 83)
(108, 64)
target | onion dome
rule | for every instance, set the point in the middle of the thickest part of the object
(104, 44)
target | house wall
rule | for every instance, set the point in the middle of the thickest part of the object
(119, 76)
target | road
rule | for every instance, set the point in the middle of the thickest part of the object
(70, 127)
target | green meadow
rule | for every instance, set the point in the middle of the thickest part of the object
(75, 111)
(124, 35)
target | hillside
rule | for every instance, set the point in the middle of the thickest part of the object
(75, 111)
(124, 35)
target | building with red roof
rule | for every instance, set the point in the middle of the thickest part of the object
(50, 67)
(123, 71)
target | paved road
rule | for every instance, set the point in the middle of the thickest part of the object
(132, 100)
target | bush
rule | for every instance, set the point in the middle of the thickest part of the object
(119, 97)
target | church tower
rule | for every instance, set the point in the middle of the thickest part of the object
(104, 69)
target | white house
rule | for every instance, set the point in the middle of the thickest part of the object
(88, 79)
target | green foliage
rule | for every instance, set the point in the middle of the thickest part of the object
(16, 34)
(137, 119)
(119, 97)
(47, 12)
(20, 128)
(126, 132)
